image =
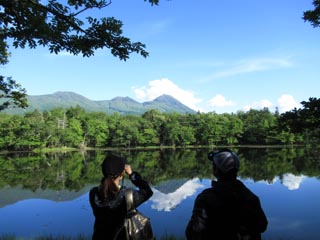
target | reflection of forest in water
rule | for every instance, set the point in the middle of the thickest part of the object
(74, 170)
(176, 177)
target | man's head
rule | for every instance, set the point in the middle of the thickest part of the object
(225, 164)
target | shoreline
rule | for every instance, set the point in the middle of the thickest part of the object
(84, 149)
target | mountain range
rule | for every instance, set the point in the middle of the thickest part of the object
(122, 105)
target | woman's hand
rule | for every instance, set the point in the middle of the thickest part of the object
(128, 169)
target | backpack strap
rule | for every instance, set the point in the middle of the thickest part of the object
(129, 199)
(129, 202)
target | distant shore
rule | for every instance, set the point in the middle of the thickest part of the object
(70, 149)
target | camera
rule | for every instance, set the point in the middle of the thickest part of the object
(211, 155)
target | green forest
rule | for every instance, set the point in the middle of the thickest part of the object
(75, 128)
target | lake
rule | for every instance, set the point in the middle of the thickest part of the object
(47, 194)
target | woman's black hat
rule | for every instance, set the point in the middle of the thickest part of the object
(113, 165)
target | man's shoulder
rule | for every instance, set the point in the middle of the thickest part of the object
(222, 189)
(206, 194)
(243, 188)
(215, 188)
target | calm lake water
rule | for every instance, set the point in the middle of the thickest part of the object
(44, 195)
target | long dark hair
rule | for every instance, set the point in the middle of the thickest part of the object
(108, 189)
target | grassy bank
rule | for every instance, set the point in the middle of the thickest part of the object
(61, 237)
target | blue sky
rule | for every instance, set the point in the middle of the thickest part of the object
(220, 56)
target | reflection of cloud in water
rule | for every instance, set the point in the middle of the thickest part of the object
(166, 202)
(291, 181)
(285, 224)
(269, 182)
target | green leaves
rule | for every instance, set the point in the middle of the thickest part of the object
(56, 26)
(59, 27)
(313, 16)
(74, 127)
(304, 121)
(12, 94)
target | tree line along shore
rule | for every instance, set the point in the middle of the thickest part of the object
(75, 128)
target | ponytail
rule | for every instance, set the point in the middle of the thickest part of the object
(108, 189)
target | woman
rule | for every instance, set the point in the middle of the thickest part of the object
(108, 200)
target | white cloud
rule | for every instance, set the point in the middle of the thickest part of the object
(287, 103)
(203, 63)
(253, 65)
(291, 181)
(265, 103)
(60, 54)
(167, 202)
(156, 88)
(152, 28)
(220, 101)
(162, 86)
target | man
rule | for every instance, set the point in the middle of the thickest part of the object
(228, 210)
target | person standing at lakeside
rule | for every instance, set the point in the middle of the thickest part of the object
(227, 210)
(108, 201)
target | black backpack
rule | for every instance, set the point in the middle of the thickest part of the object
(136, 225)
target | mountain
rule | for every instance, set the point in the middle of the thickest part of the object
(122, 105)
(166, 196)
(166, 103)
(11, 195)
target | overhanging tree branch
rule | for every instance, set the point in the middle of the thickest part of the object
(99, 6)
(58, 27)
(313, 16)
(65, 32)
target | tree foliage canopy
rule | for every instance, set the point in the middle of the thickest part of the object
(74, 127)
(12, 93)
(63, 28)
(313, 16)
(59, 27)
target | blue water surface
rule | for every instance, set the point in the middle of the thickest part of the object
(292, 212)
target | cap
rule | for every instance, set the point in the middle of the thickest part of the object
(113, 165)
(225, 160)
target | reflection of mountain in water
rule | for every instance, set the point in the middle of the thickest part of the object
(10, 195)
(291, 181)
(165, 198)
(168, 201)
(171, 185)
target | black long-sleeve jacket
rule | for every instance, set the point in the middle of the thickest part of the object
(110, 215)
(226, 211)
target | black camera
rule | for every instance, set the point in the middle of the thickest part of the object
(211, 155)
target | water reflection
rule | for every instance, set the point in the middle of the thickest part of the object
(167, 201)
(291, 181)
(49, 192)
